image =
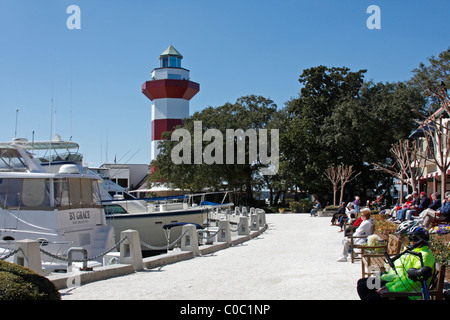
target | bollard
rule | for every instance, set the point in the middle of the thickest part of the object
(261, 217)
(243, 227)
(244, 211)
(224, 234)
(237, 211)
(227, 214)
(85, 257)
(29, 255)
(189, 242)
(130, 249)
(254, 222)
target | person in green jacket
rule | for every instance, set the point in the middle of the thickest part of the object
(396, 279)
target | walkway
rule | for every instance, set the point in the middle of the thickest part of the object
(294, 259)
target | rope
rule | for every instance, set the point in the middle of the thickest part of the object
(237, 227)
(11, 253)
(63, 258)
(214, 234)
(165, 247)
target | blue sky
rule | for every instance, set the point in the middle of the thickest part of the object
(232, 48)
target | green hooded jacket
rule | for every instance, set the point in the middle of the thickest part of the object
(401, 282)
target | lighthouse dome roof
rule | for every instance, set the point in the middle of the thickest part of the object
(171, 51)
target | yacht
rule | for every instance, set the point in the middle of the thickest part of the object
(57, 205)
(151, 220)
(113, 207)
(154, 218)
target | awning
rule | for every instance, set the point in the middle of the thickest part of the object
(432, 175)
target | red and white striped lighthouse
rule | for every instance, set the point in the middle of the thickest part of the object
(170, 91)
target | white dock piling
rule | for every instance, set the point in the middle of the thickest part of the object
(254, 222)
(261, 217)
(130, 249)
(189, 242)
(29, 255)
(224, 234)
(243, 226)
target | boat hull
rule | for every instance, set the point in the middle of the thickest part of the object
(150, 225)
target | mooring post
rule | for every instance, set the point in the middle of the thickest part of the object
(224, 234)
(254, 222)
(130, 249)
(189, 242)
(261, 217)
(85, 257)
(243, 226)
(28, 255)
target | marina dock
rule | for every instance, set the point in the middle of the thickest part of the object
(294, 258)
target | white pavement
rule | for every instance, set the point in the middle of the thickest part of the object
(294, 259)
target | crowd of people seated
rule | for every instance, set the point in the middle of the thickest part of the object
(417, 209)
(421, 209)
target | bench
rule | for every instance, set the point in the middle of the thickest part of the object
(354, 247)
(438, 219)
(377, 260)
(435, 287)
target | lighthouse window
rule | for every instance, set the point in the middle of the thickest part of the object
(170, 62)
(174, 76)
(174, 62)
(164, 62)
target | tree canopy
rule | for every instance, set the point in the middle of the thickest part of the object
(248, 112)
(338, 118)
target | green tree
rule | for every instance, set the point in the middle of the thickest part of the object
(303, 144)
(248, 112)
(428, 78)
(340, 119)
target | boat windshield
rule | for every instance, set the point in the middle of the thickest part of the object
(67, 156)
(37, 193)
(11, 160)
(77, 193)
(25, 194)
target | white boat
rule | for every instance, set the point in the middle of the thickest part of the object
(59, 206)
(152, 217)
